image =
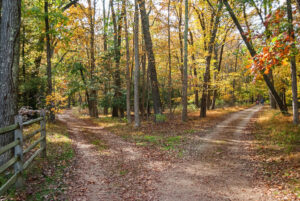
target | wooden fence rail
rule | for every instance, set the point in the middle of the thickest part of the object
(17, 160)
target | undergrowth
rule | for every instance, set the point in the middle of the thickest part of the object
(279, 149)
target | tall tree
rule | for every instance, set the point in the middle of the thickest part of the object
(151, 58)
(293, 63)
(9, 66)
(136, 65)
(169, 60)
(127, 70)
(93, 110)
(49, 64)
(279, 101)
(204, 102)
(117, 27)
(184, 81)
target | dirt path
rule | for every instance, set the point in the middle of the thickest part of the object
(99, 175)
(219, 166)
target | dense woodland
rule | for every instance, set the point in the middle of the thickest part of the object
(147, 60)
(122, 56)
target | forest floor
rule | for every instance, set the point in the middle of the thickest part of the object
(235, 153)
(210, 159)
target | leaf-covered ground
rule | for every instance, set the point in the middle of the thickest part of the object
(233, 154)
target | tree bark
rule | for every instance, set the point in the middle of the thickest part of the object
(170, 60)
(293, 64)
(127, 70)
(93, 109)
(196, 91)
(151, 58)
(136, 66)
(184, 116)
(117, 26)
(9, 66)
(49, 67)
(281, 105)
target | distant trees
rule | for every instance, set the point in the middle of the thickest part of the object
(73, 51)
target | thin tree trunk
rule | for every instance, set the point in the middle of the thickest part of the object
(49, 67)
(105, 109)
(136, 66)
(293, 64)
(151, 58)
(93, 92)
(196, 91)
(9, 66)
(127, 70)
(252, 52)
(169, 59)
(117, 26)
(184, 84)
(144, 86)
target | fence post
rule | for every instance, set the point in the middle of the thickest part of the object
(18, 166)
(43, 134)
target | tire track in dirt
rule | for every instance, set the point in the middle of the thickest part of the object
(221, 169)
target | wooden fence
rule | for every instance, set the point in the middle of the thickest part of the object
(17, 160)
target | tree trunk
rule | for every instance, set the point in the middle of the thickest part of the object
(184, 116)
(293, 64)
(204, 103)
(49, 67)
(196, 91)
(169, 59)
(117, 27)
(136, 65)
(250, 48)
(93, 109)
(9, 66)
(271, 98)
(151, 58)
(127, 70)
(105, 109)
(144, 86)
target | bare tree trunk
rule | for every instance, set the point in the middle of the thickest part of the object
(105, 109)
(196, 91)
(272, 100)
(127, 70)
(49, 67)
(293, 64)
(184, 83)
(93, 92)
(136, 66)
(9, 66)
(151, 58)
(144, 86)
(169, 59)
(117, 25)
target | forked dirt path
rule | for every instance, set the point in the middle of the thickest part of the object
(217, 166)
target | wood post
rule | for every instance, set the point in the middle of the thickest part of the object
(43, 134)
(18, 166)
